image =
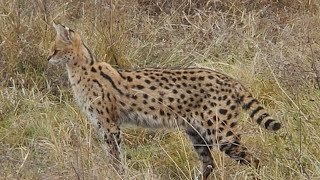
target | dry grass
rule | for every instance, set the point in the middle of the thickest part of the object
(270, 46)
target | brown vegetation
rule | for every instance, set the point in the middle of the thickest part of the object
(271, 46)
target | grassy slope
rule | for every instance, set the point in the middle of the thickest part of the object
(269, 46)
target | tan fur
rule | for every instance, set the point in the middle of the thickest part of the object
(204, 102)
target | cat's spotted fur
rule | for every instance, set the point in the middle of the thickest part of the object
(204, 102)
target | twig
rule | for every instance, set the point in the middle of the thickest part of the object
(78, 175)
(315, 64)
(24, 160)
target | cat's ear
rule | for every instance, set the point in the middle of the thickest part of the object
(63, 32)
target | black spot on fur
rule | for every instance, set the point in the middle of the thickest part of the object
(232, 107)
(229, 133)
(210, 77)
(129, 79)
(140, 86)
(233, 124)
(151, 108)
(93, 69)
(153, 88)
(164, 79)
(134, 96)
(161, 112)
(205, 107)
(223, 111)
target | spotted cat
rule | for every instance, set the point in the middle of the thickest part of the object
(203, 102)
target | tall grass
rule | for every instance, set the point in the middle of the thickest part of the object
(270, 46)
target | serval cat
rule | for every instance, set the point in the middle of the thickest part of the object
(203, 102)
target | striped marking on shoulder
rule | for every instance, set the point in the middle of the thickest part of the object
(120, 74)
(97, 82)
(107, 77)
